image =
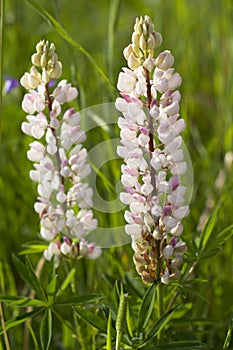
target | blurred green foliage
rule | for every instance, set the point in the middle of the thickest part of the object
(200, 36)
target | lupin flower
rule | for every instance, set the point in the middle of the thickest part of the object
(150, 130)
(60, 168)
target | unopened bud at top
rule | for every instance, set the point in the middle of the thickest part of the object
(48, 65)
(144, 41)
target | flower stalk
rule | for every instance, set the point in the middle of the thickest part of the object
(151, 147)
(60, 168)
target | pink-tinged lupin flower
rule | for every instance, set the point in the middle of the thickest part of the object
(150, 129)
(60, 168)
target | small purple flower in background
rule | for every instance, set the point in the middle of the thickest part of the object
(60, 168)
(154, 160)
(10, 84)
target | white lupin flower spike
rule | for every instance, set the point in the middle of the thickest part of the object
(150, 129)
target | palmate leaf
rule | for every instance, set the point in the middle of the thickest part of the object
(51, 289)
(21, 301)
(160, 324)
(134, 286)
(81, 299)
(62, 32)
(93, 319)
(67, 281)
(28, 275)
(33, 248)
(46, 329)
(20, 319)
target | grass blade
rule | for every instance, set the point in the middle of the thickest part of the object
(180, 345)
(63, 33)
(109, 332)
(229, 333)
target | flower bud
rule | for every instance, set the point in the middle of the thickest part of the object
(39, 47)
(135, 39)
(45, 76)
(127, 51)
(142, 42)
(158, 38)
(56, 71)
(133, 62)
(43, 60)
(165, 60)
(138, 26)
(35, 59)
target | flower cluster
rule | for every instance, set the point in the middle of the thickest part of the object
(151, 146)
(60, 168)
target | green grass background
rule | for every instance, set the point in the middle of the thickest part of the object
(200, 35)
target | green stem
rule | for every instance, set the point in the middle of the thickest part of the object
(5, 335)
(1, 56)
(113, 11)
(160, 309)
(80, 338)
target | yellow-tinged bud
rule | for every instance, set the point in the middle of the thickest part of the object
(43, 60)
(35, 73)
(52, 49)
(127, 51)
(45, 76)
(35, 59)
(133, 62)
(138, 25)
(39, 47)
(135, 39)
(136, 50)
(56, 71)
(151, 42)
(53, 57)
(144, 30)
(142, 43)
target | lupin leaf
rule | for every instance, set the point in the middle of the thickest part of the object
(67, 281)
(28, 275)
(93, 319)
(146, 308)
(21, 301)
(51, 289)
(20, 319)
(81, 299)
(46, 329)
(160, 324)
